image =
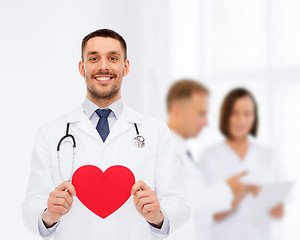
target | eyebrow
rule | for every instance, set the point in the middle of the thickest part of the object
(111, 52)
(92, 53)
(114, 53)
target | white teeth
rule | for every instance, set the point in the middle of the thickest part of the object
(103, 78)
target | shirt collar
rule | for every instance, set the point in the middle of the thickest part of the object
(89, 108)
(181, 145)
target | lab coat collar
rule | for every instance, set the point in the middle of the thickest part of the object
(128, 114)
(125, 121)
(182, 147)
(89, 108)
(181, 143)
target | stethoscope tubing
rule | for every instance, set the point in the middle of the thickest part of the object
(139, 141)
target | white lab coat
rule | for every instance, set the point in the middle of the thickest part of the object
(155, 164)
(205, 200)
(219, 162)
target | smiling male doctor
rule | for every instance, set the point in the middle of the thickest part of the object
(103, 127)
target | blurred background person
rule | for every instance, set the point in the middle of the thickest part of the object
(239, 120)
(187, 105)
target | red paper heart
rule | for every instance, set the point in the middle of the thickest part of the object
(103, 193)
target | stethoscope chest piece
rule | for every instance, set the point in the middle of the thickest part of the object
(139, 141)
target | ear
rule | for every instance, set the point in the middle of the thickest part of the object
(81, 68)
(175, 108)
(126, 68)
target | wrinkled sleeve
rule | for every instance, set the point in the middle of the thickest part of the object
(40, 183)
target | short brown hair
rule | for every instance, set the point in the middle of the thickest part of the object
(227, 107)
(106, 33)
(183, 89)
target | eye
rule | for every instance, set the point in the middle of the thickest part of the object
(113, 59)
(93, 59)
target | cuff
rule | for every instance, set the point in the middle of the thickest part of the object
(45, 232)
(163, 232)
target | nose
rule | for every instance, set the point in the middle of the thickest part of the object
(103, 66)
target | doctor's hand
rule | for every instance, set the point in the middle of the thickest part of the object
(147, 204)
(59, 203)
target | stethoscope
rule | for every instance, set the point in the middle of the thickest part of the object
(139, 141)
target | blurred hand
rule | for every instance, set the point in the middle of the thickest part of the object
(235, 203)
(220, 216)
(277, 212)
(239, 190)
(147, 204)
(236, 186)
(59, 203)
(254, 190)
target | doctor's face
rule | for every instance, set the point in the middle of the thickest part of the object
(103, 67)
(242, 118)
(194, 114)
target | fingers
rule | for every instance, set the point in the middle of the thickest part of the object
(59, 199)
(242, 174)
(277, 212)
(140, 185)
(59, 202)
(67, 186)
(149, 208)
(61, 210)
(254, 190)
(64, 195)
(141, 202)
(143, 196)
(146, 203)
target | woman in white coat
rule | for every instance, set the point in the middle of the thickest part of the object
(238, 120)
(150, 199)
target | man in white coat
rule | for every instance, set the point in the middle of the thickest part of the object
(120, 144)
(187, 104)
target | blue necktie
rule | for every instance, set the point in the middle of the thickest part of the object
(102, 125)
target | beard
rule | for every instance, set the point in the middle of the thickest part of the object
(102, 93)
(109, 94)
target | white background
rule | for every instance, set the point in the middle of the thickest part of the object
(224, 44)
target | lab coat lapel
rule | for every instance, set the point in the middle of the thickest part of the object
(125, 121)
(78, 117)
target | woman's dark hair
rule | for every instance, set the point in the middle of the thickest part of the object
(227, 106)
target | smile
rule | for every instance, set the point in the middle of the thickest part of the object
(103, 78)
